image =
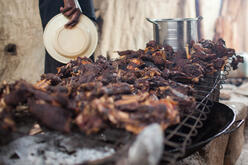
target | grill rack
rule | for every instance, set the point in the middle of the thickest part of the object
(178, 137)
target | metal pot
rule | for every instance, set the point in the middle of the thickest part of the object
(175, 32)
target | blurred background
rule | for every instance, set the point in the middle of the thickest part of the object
(121, 25)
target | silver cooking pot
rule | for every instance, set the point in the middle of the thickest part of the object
(175, 32)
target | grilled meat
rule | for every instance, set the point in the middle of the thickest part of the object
(140, 88)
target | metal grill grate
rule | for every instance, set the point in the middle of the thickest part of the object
(179, 136)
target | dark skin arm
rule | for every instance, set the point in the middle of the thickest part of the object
(70, 11)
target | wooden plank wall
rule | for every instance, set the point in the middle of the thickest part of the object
(210, 11)
(232, 25)
(122, 25)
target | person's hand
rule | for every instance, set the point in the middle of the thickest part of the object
(70, 11)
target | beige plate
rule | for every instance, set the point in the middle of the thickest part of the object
(67, 44)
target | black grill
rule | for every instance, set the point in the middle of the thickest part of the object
(179, 136)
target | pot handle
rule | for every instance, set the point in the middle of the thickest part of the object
(235, 126)
(150, 20)
(199, 18)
